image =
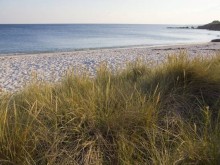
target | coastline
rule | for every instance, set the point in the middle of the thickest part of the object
(98, 48)
(17, 70)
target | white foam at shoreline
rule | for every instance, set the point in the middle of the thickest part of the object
(16, 71)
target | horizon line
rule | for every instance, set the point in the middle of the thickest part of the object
(97, 24)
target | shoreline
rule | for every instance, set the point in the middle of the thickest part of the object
(100, 48)
(17, 70)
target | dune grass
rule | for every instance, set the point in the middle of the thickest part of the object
(163, 115)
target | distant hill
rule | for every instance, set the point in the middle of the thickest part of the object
(215, 25)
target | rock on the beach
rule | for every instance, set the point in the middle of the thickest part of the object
(216, 40)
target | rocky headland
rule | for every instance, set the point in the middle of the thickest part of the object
(215, 25)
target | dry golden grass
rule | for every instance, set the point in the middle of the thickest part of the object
(164, 115)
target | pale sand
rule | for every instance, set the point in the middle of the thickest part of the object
(17, 70)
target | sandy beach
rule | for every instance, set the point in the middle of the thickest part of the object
(17, 70)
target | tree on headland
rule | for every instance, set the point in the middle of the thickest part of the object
(215, 22)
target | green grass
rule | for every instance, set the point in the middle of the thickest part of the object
(164, 115)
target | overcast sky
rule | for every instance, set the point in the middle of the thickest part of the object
(110, 11)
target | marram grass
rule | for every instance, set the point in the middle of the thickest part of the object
(164, 115)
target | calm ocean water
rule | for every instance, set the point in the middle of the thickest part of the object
(67, 37)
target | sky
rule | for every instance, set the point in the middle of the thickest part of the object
(109, 11)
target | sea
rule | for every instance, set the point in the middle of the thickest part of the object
(37, 38)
